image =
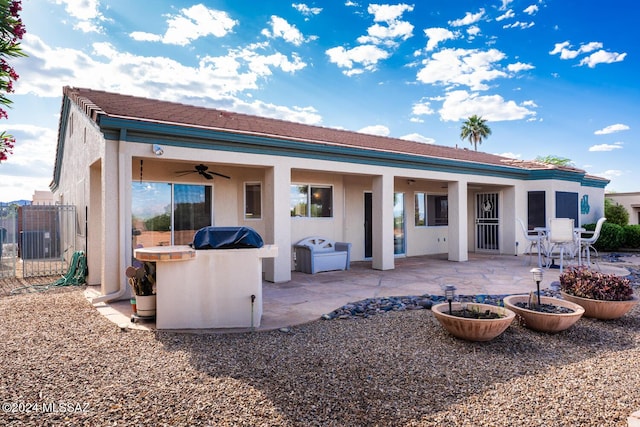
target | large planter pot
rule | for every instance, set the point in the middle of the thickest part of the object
(603, 310)
(473, 329)
(545, 322)
(146, 305)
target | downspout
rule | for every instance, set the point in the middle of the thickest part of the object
(122, 179)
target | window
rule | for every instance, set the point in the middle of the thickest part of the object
(420, 209)
(168, 214)
(311, 201)
(431, 210)
(437, 210)
(252, 200)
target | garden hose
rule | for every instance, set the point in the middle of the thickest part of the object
(76, 275)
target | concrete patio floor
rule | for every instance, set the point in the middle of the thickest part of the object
(306, 297)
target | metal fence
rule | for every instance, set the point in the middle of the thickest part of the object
(8, 241)
(36, 241)
(46, 241)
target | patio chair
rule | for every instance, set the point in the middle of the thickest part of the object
(534, 241)
(586, 244)
(561, 238)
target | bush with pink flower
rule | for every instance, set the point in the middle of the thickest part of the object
(11, 31)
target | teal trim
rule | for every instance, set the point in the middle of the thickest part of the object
(114, 129)
(595, 182)
(180, 136)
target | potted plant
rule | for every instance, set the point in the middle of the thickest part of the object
(472, 321)
(549, 315)
(143, 281)
(603, 296)
(543, 314)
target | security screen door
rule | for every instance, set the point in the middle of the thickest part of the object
(487, 222)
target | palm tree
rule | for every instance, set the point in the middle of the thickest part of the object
(475, 129)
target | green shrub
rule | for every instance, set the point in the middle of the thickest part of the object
(611, 237)
(615, 213)
(632, 236)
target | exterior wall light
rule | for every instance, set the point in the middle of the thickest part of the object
(157, 150)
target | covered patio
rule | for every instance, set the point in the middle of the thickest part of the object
(306, 297)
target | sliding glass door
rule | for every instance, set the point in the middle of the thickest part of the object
(168, 214)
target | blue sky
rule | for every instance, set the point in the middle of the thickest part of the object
(552, 77)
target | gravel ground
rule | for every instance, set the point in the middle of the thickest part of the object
(64, 364)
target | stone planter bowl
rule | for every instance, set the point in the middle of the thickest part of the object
(603, 310)
(545, 322)
(473, 329)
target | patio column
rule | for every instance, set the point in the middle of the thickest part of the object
(115, 172)
(382, 223)
(278, 222)
(458, 223)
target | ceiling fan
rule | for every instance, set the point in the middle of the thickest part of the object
(202, 170)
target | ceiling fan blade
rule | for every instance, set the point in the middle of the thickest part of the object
(219, 174)
(206, 175)
(183, 173)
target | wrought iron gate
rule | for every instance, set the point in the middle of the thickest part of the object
(8, 241)
(47, 239)
(487, 222)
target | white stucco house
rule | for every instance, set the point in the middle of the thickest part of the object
(149, 172)
(630, 201)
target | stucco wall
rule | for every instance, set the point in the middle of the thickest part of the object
(631, 202)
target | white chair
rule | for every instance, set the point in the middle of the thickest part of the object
(561, 237)
(534, 241)
(586, 244)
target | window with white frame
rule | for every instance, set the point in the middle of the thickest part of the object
(311, 201)
(431, 210)
(420, 209)
(437, 210)
(253, 200)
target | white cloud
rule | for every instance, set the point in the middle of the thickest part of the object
(86, 12)
(521, 25)
(393, 29)
(191, 24)
(416, 137)
(473, 31)
(610, 174)
(507, 15)
(281, 28)
(612, 129)
(422, 109)
(388, 13)
(519, 66)
(468, 67)
(141, 36)
(510, 155)
(531, 10)
(505, 4)
(460, 104)
(365, 55)
(606, 147)
(29, 167)
(469, 18)
(306, 10)
(437, 35)
(602, 57)
(214, 81)
(379, 130)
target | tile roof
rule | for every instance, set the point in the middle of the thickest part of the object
(96, 103)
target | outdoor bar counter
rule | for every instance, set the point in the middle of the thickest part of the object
(200, 289)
